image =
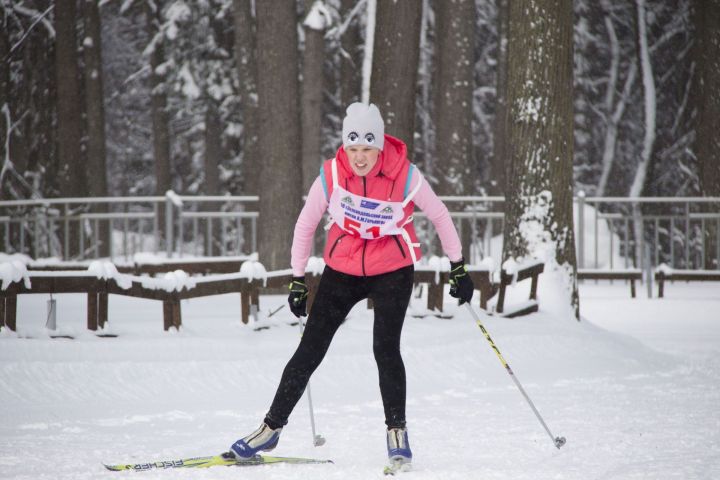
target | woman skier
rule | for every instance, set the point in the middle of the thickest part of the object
(369, 189)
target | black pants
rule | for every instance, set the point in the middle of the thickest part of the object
(335, 297)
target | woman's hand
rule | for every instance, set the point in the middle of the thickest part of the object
(461, 285)
(298, 297)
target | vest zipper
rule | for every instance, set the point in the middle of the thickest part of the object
(397, 240)
(364, 244)
(363, 258)
(337, 240)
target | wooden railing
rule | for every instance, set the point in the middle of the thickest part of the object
(663, 275)
(49, 280)
(631, 275)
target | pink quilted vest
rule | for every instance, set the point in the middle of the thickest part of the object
(389, 180)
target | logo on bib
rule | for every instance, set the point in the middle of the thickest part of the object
(387, 209)
(368, 204)
(348, 200)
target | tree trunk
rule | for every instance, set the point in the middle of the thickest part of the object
(213, 148)
(279, 130)
(158, 104)
(158, 108)
(5, 112)
(95, 116)
(312, 94)
(650, 108)
(706, 17)
(351, 58)
(454, 27)
(395, 65)
(707, 143)
(455, 23)
(246, 64)
(496, 175)
(614, 116)
(247, 77)
(71, 173)
(213, 158)
(539, 217)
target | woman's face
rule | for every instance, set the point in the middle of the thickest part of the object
(362, 158)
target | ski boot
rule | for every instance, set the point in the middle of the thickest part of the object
(399, 453)
(263, 439)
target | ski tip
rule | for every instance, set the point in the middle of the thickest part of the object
(397, 467)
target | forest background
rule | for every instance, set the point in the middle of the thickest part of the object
(138, 97)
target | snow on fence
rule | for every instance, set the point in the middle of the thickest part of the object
(665, 273)
(102, 278)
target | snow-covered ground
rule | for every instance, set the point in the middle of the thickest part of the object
(634, 388)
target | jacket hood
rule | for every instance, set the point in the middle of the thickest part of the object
(390, 162)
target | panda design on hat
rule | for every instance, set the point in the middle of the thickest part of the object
(363, 125)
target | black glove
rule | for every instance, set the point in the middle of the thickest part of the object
(461, 285)
(298, 297)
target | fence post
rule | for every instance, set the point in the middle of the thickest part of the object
(254, 235)
(648, 270)
(156, 228)
(7, 235)
(687, 235)
(581, 228)
(181, 234)
(11, 312)
(172, 316)
(81, 233)
(168, 223)
(245, 299)
(102, 309)
(36, 234)
(66, 233)
(92, 311)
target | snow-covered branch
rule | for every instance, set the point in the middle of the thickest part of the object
(340, 30)
(37, 18)
(319, 17)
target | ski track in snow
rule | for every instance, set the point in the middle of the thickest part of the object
(633, 388)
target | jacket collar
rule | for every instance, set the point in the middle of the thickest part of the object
(390, 162)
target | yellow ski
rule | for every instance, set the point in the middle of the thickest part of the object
(224, 459)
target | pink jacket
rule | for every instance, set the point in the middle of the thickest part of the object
(387, 180)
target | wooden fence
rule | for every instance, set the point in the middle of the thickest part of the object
(97, 289)
(665, 275)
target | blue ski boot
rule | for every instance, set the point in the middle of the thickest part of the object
(399, 452)
(263, 439)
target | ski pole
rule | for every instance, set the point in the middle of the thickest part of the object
(557, 441)
(318, 439)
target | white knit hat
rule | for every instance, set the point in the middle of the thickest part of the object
(363, 125)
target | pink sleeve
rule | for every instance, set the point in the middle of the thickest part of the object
(308, 220)
(437, 212)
